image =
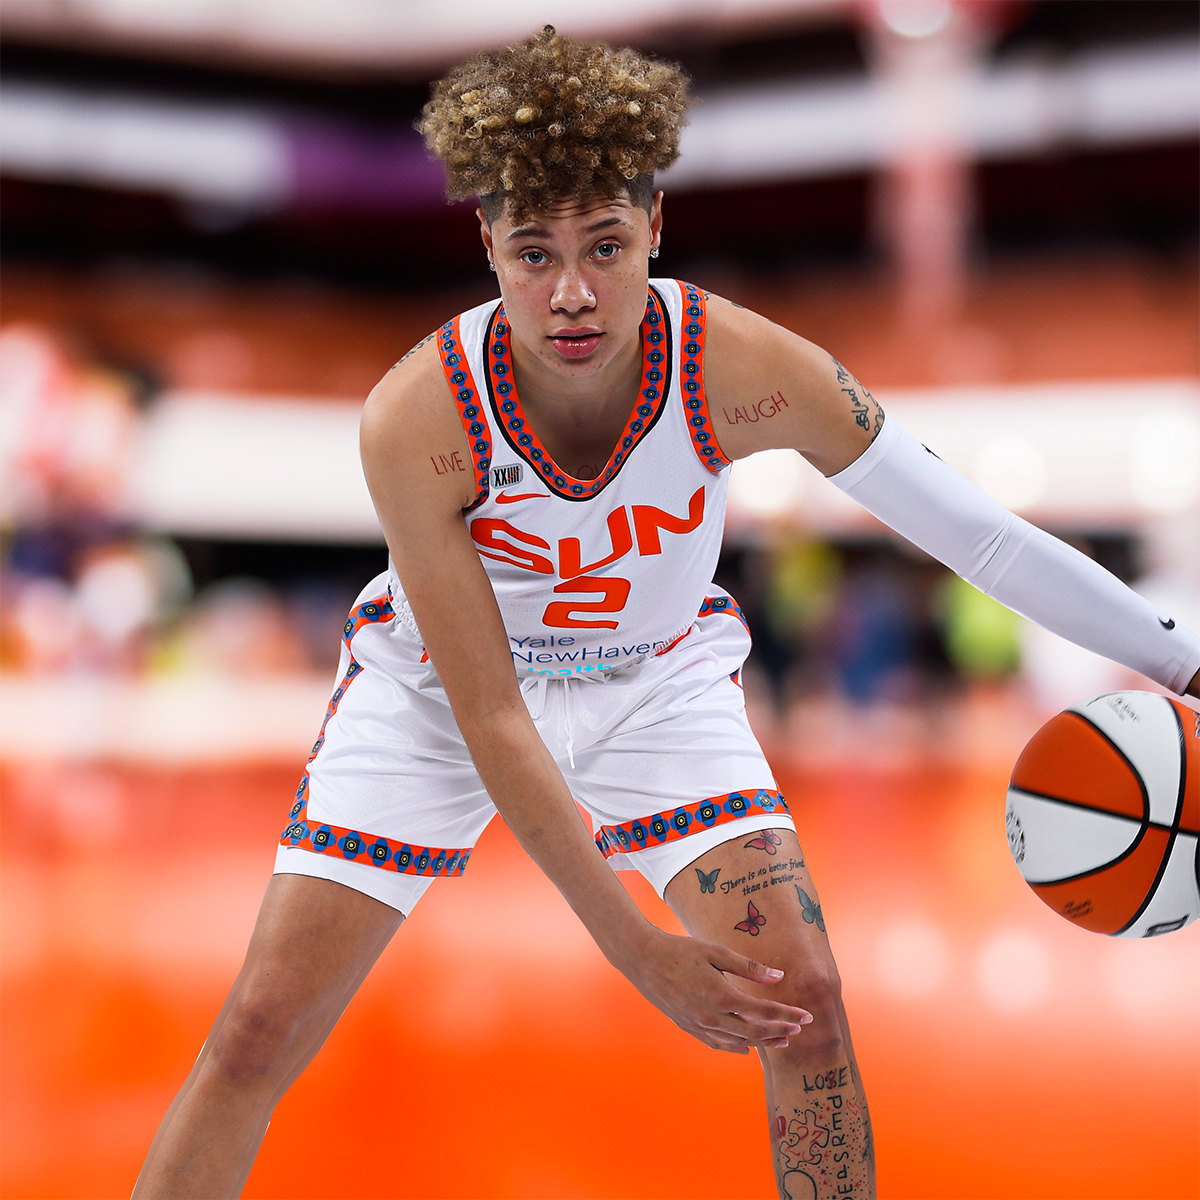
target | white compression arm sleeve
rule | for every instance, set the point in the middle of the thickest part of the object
(909, 488)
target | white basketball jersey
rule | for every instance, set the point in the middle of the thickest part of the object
(594, 573)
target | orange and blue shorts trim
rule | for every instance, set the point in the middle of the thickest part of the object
(391, 854)
(661, 828)
(352, 844)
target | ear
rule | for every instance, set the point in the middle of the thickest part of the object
(656, 221)
(485, 233)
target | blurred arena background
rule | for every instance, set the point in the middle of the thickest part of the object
(220, 230)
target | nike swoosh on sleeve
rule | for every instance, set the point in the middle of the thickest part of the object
(505, 498)
(1167, 624)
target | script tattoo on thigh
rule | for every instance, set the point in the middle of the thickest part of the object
(868, 416)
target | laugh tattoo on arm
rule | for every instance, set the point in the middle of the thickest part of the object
(422, 342)
(868, 416)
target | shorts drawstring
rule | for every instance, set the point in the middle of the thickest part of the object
(537, 685)
(569, 723)
(533, 689)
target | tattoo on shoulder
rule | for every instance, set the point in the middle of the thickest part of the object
(868, 416)
(708, 883)
(424, 341)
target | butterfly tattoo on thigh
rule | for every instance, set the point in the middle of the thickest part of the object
(708, 883)
(767, 840)
(754, 920)
(810, 911)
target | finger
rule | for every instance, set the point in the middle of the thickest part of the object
(744, 968)
(766, 1014)
(756, 1031)
(716, 1039)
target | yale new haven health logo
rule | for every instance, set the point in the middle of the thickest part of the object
(503, 477)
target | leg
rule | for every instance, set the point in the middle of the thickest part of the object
(312, 946)
(763, 901)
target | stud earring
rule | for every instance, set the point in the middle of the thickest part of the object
(491, 265)
(653, 251)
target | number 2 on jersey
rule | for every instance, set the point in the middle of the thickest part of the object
(558, 613)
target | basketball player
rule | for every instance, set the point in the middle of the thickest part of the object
(549, 471)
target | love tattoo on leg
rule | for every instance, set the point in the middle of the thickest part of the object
(823, 1146)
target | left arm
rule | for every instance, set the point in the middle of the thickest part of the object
(805, 400)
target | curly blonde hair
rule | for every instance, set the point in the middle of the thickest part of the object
(551, 118)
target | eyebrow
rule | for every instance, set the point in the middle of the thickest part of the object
(539, 231)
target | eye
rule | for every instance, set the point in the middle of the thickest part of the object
(534, 258)
(606, 250)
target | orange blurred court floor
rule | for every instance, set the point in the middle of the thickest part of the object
(493, 1053)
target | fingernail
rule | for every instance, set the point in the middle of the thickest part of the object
(774, 973)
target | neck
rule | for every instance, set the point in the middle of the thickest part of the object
(579, 398)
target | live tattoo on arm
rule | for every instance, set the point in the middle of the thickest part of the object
(867, 413)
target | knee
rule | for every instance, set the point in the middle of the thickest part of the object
(817, 988)
(255, 1041)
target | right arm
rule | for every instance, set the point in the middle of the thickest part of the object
(412, 442)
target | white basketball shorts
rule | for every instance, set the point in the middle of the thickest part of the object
(659, 753)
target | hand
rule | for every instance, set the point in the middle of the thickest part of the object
(686, 979)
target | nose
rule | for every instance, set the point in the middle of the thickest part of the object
(571, 291)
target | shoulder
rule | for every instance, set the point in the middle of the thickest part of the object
(770, 388)
(734, 331)
(410, 417)
(412, 390)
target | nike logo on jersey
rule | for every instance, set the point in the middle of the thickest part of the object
(504, 498)
(1167, 624)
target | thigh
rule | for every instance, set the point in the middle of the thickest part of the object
(755, 894)
(313, 944)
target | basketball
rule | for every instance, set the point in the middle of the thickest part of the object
(1103, 814)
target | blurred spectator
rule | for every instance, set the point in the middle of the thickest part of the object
(791, 591)
(237, 627)
(874, 633)
(982, 638)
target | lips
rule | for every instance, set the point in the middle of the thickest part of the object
(576, 342)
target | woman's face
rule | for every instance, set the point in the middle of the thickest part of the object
(573, 278)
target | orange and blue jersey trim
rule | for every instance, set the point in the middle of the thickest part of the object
(660, 828)
(352, 844)
(655, 385)
(691, 365)
(470, 405)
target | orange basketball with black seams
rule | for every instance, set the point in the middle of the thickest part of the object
(1103, 814)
